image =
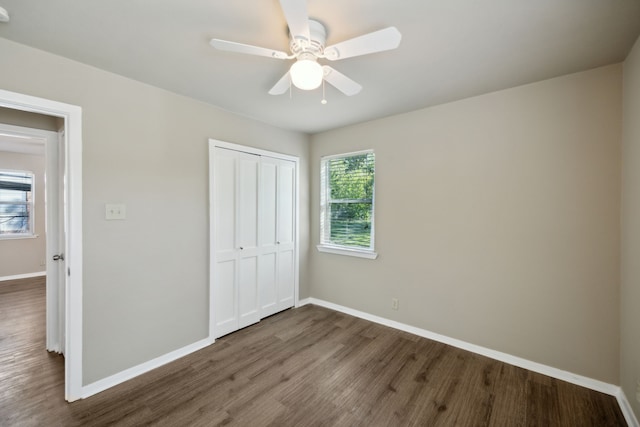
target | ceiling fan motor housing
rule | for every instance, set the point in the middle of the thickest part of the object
(300, 45)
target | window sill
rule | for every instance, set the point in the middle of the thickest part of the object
(360, 253)
(18, 236)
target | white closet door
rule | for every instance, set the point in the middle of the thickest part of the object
(268, 266)
(247, 232)
(225, 261)
(286, 233)
(277, 236)
(253, 230)
(235, 290)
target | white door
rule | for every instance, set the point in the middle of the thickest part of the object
(286, 234)
(253, 235)
(55, 236)
(247, 238)
(277, 235)
(268, 265)
(235, 264)
(61, 238)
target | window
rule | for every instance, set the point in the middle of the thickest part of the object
(16, 204)
(347, 202)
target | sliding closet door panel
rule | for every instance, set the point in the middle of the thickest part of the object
(268, 236)
(268, 293)
(285, 279)
(286, 234)
(247, 217)
(286, 208)
(247, 213)
(268, 203)
(248, 292)
(225, 201)
(224, 289)
(226, 319)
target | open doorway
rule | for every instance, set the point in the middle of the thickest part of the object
(32, 229)
(63, 157)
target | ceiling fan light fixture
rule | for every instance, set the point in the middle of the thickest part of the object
(306, 74)
(4, 15)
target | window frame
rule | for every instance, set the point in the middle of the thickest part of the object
(325, 214)
(31, 206)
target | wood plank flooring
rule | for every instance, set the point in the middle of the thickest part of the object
(303, 367)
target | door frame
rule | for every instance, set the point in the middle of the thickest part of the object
(72, 116)
(213, 144)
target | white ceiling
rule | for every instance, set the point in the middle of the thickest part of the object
(450, 49)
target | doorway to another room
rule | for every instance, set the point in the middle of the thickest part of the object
(41, 173)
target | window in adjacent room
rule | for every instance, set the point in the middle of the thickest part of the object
(16, 204)
(347, 204)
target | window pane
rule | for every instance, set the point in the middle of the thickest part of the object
(13, 196)
(14, 218)
(351, 224)
(352, 177)
(15, 202)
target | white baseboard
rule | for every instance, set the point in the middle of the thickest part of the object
(304, 301)
(626, 409)
(127, 374)
(610, 389)
(23, 276)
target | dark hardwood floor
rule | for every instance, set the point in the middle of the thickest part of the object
(304, 367)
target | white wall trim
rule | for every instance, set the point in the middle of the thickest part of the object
(368, 254)
(127, 374)
(626, 409)
(252, 150)
(23, 276)
(306, 301)
(610, 389)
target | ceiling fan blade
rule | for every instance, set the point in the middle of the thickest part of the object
(282, 86)
(341, 82)
(378, 41)
(297, 16)
(247, 48)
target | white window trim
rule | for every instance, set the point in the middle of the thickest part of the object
(344, 250)
(368, 253)
(18, 236)
(31, 234)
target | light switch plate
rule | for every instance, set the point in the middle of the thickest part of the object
(115, 211)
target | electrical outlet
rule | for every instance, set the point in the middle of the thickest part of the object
(394, 303)
(115, 211)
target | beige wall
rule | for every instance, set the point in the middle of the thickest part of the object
(24, 256)
(146, 278)
(497, 221)
(630, 265)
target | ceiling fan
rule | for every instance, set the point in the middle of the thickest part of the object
(307, 45)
